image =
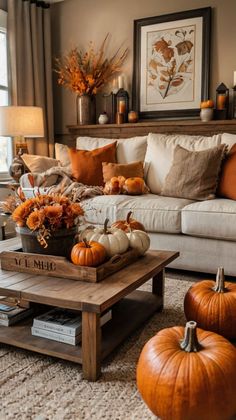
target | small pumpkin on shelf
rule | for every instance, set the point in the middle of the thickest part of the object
(114, 240)
(139, 240)
(188, 374)
(212, 304)
(128, 224)
(88, 253)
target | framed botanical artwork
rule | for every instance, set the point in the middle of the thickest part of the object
(171, 64)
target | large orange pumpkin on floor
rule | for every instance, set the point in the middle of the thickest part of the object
(213, 305)
(184, 375)
(128, 224)
(88, 253)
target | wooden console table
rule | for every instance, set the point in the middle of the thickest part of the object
(130, 308)
(116, 131)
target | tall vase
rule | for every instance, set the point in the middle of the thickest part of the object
(86, 109)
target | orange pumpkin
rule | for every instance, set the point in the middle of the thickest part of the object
(128, 224)
(114, 186)
(88, 253)
(213, 305)
(134, 186)
(188, 375)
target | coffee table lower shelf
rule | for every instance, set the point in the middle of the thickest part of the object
(127, 315)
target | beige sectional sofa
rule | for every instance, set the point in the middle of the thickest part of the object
(203, 231)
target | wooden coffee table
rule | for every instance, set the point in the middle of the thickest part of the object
(130, 308)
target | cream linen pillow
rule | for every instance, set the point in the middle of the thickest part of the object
(62, 154)
(38, 164)
(194, 175)
(128, 150)
(160, 151)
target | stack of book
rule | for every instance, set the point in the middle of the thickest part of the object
(9, 314)
(62, 325)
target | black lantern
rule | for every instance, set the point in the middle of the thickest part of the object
(222, 102)
(122, 103)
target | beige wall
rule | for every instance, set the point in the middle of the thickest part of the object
(3, 4)
(76, 22)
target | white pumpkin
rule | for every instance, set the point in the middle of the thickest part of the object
(114, 240)
(139, 240)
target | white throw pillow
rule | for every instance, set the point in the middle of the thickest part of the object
(128, 150)
(229, 139)
(160, 151)
(62, 154)
(38, 164)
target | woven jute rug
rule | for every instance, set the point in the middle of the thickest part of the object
(37, 387)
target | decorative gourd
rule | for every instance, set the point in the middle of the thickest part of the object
(190, 378)
(134, 186)
(128, 224)
(90, 254)
(139, 240)
(114, 240)
(112, 186)
(115, 185)
(213, 305)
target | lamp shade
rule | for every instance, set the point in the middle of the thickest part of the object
(24, 121)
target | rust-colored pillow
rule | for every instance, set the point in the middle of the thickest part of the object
(227, 184)
(87, 165)
(129, 170)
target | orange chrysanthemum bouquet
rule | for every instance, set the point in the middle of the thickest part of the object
(46, 214)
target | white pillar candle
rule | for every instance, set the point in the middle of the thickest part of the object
(234, 78)
(120, 81)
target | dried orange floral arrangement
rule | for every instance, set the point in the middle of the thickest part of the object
(86, 73)
(47, 213)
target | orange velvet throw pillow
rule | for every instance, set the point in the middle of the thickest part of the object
(128, 170)
(87, 165)
(227, 184)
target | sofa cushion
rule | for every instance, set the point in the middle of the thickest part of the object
(128, 150)
(227, 183)
(62, 154)
(87, 165)
(158, 214)
(38, 164)
(210, 219)
(229, 139)
(160, 150)
(194, 174)
(128, 170)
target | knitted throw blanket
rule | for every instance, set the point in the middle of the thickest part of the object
(59, 180)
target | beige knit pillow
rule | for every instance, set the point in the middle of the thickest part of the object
(194, 175)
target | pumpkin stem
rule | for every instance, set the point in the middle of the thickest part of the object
(128, 216)
(190, 342)
(105, 226)
(86, 243)
(220, 281)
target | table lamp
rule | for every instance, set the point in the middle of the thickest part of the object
(20, 122)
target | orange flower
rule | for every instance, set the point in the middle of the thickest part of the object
(74, 210)
(69, 222)
(35, 219)
(21, 212)
(53, 213)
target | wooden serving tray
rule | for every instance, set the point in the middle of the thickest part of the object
(55, 266)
